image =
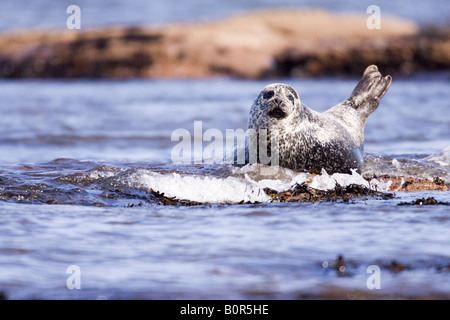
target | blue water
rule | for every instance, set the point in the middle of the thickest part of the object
(77, 158)
(50, 14)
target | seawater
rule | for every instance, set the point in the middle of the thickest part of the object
(78, 158)
(48, 14)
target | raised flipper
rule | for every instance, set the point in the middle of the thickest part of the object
(367, 94)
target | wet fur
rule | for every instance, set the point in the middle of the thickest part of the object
(309, 140)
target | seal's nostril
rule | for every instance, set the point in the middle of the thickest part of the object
(277, 101)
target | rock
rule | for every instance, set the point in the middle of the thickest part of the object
(253, 45)
(414, 184)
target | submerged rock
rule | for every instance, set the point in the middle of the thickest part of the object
(422, 201)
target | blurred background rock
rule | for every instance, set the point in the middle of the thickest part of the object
(251, 40)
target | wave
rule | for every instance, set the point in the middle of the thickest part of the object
(430, 167)
(74, 182)
(251, 182)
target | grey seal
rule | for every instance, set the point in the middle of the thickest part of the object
(311, 141)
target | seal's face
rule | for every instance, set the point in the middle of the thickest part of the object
(278, 100)
(275, 103)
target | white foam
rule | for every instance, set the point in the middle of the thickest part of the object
(329, 182)
(200, 188)
(279, 183)
(442, 158)
(396, 164)
(323, 182)
(244, 184)
(380, 186)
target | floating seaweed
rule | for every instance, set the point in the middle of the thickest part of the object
(303, 193)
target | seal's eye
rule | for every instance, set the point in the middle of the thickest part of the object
(268, 94)
(291, 98)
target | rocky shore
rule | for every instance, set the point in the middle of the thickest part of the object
(304, 193)
(275, 43)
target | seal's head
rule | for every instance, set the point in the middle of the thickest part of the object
(277, 102)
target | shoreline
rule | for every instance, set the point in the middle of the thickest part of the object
(254, 45)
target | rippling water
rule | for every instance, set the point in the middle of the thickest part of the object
(78, 160)
(50, 14)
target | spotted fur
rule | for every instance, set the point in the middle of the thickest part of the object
(309, 140)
